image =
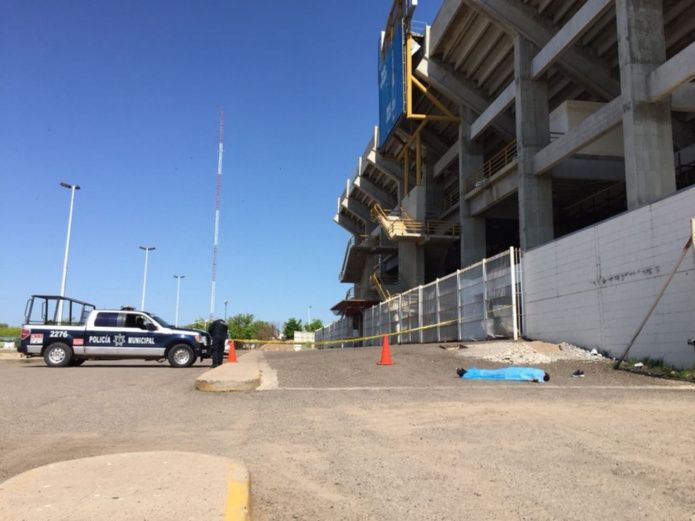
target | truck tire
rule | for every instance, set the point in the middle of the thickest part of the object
(181, 355)
(57, 355)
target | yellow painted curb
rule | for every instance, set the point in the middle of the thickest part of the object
(238, 505)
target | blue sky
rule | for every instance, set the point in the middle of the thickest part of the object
(123, 98)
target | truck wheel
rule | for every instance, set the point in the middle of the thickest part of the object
(181, 355)
(57, 355)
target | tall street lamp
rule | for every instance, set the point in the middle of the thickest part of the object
(147, 250)
(178, 293)
(308, 314)
(225, 309)
(67, 247)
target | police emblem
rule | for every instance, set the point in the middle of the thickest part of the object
(119, 340)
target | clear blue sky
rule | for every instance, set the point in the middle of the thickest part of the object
(123, 98)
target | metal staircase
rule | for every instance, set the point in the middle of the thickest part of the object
(403, 227)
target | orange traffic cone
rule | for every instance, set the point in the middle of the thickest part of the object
(385, 352)
(231, 357)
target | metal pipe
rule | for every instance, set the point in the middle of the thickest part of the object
(178, 294)
(147, 250)
(67, 248)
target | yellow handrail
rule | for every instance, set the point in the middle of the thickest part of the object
(493, 165)
(380, 289)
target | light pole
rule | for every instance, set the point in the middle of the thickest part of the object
(147, 249)
(67, 248)
(178, 294)
(308, 314)
(225, 309)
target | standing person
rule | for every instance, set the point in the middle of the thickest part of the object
(218, 331)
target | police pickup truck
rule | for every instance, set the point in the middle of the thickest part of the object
(66, 331)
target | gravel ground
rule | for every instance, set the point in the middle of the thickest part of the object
(344, 439)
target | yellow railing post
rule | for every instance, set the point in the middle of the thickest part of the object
(418, 159)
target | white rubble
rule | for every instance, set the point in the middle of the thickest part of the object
(526, 352)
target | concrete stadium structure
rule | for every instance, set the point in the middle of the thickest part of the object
(524, 121)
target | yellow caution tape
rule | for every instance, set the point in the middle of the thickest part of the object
(346, 340)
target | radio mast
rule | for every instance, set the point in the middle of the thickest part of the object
(218, 193)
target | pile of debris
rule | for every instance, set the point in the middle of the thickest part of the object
(526, 353)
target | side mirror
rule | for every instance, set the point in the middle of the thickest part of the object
(150, 327)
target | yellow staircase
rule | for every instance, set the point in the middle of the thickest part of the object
(403, 227)
(384, 294)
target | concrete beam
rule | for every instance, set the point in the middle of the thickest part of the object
(586, 70)
(599, 123)
(357, 209)
(447, 158)
(488, 197)
(444, 20)
(497, 107)
(385, 166)
(460, 91)
(683, 100)
(433, 141)
(348, 224)
(561, 41)
(668, 77)
(374, 192)
(568, 35)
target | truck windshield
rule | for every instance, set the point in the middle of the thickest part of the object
(161, 321)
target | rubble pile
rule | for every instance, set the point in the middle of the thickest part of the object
(527, 353)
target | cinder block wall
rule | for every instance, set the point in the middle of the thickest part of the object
(594, 287)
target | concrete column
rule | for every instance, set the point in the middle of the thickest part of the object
(473, 245)
(648, 140)
(411, 256)
(411, 264)
(532, 134)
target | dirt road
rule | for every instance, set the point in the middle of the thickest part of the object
(343, 439)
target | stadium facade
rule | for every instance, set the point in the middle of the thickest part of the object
(562, 129)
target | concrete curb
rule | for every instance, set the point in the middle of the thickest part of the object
(156, 486)
(9, 355)
(245, 375)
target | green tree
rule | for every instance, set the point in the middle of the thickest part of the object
(314, 325)
(198, 323)
(242, 326)
(290, 327)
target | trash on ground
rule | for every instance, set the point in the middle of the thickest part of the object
(638, 365)
(578, 373)
(452, 347)
(518, 374)
(594, 352)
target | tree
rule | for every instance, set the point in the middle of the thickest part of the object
(241, 326)
(290, 327)
(314, 325)
(199, 323)
(265, 330)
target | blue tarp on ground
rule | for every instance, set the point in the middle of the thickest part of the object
(519, 374)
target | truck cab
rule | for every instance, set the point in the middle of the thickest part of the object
(66, 331)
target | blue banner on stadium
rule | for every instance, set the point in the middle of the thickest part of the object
(391, 83)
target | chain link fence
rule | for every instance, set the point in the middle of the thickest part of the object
(479, 302)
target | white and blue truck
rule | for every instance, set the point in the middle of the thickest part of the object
(67, 332)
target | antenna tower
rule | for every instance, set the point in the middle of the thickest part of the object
(218, 193)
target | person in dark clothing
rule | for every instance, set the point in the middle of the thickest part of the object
(218, 331)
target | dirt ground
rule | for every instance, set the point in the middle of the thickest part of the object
(341, 438)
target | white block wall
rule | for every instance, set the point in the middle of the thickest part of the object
(594, 287)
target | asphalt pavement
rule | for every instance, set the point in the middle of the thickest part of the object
(331, 435)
